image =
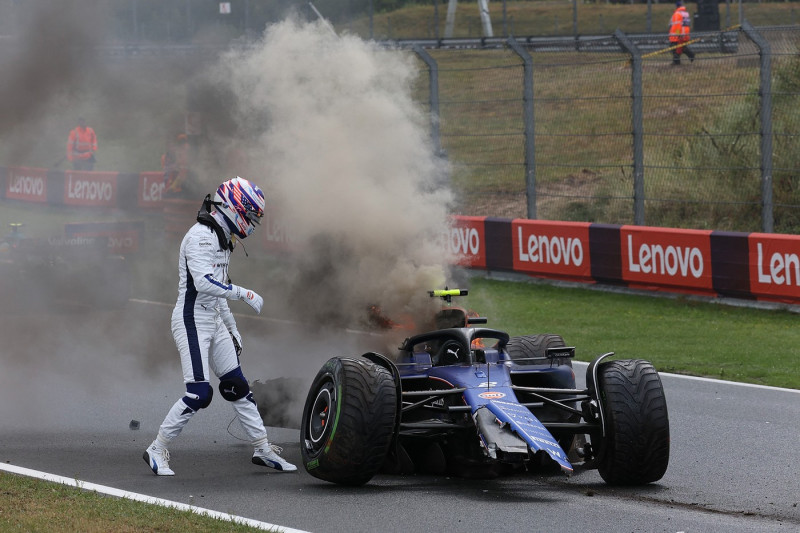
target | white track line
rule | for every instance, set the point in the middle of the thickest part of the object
(110, 491)
(736, 383)
(713, 380)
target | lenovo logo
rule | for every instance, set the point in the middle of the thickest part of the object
(683, 261)
(779, 268)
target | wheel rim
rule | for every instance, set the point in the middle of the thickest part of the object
(320, 417)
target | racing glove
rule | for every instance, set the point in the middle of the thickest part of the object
(237, 341)
(251, 298)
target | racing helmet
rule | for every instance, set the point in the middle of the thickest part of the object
(242, 204)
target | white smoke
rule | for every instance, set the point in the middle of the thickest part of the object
(345, 157)
(343, 152)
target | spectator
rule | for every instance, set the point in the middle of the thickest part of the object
(175, 163)
(679, 29)
(81, 146)
(204, 328)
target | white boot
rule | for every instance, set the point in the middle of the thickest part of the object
(267, 455)
(157, 457)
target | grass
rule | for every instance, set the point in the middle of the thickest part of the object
(549, 18)
(582, 108)
(583, 121)
(678, 334)
(29, 505)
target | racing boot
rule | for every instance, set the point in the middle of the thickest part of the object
(157, 457)
(267, 455)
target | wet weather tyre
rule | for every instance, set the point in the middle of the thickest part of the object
(532, 349)
(635, 449)
(348, 421)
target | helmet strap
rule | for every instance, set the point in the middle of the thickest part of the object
(204, 217)
(208, 202)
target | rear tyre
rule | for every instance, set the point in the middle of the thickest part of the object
(635, 449)
(532, 349)
(348, 421)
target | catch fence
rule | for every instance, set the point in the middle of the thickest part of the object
(606, 129)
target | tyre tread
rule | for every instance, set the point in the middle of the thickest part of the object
(364, 428)
(534, 347)
(635, 450)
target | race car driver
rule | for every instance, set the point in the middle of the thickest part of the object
(205, 330)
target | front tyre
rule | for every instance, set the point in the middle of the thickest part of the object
(348, 421)
(635, 449)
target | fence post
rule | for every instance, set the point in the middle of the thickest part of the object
(638, 135)
(433, 96)
(765, 94)
(527, 103)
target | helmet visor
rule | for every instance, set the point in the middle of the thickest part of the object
(254, 217)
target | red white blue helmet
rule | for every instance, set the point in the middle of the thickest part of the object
(242, 203)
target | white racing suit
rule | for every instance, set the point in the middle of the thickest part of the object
(202, 325)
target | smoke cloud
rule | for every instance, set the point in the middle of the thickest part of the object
(49, 49)
(332, 134)
(344, 155)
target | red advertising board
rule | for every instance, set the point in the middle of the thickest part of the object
(557, 249)
(774, 265)
(96, 189)
(465, 241)
(667, 257)
(150, 190)
(28, 184)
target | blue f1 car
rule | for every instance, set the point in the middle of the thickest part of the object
(472, 401)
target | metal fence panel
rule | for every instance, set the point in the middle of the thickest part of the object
(701, 140)
(703, 135)
(482, 128)
(583, 135)
(785, 72)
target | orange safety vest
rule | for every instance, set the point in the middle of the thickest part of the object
(176, 167)
(678, 26)
(82, 143)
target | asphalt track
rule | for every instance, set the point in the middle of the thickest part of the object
(72, 382)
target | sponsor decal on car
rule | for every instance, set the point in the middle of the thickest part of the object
(530, 429)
